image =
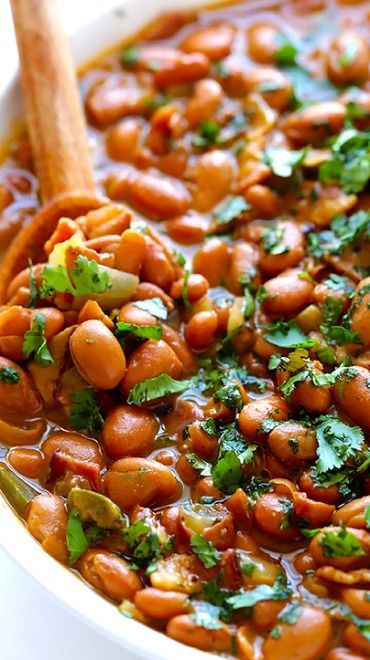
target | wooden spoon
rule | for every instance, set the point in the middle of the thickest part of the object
(57, 131)
(56, 123)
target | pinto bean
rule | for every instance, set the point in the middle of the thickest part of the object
(203, 103)
(271, 518)
(265, 202)
(18, 397)
(97, 355)
(353, 638)
(197, 287)
(214, 41)
(105, 104)
(29, 462)
(129, 431)
(352, 394)
(255, 412)
(244, 259)
(353, 513)
(314, 399)
(131, 251)
(214, 174)
(162, 197)
(293, 242)
(272, 84)
(342, 653)
(212, 261)
(74, 445)
(343, 562)
(139, 481)
(109, 574)
(360, 316)
(263, 42)
(131, 314)
(293, 443)
(156, 266)
(316, 123)
(287, 293)
(151, 359)
(357, 601)
(348, 58)
(329, 495)
(183, 69)
(187, 229)
(159, 604)
(180, 347)
(183, 629)
(307, 639)
(122, 140)
(14, 320)
(47, 522)
(201, 330)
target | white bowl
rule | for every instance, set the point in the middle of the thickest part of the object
(108, 29)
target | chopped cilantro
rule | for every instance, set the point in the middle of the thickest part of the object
(273, 240)
(130, 56)
(339, 283)
(349, 53)
(199, 464)
(340, 544)
(140, 331)
(144, 544)
(287, 334)
(85, 278)
(9, 375)
(291, 613)
(154, 306)
(350, 162)
(340, 335)
(184, 290)
(275, 632)
(282, 161)
(331, 309)
(35, 343)
(77, 543)
(336, 443)
(247, 568)
(232, 208)
(243, 598)
(205, 551)
(209, 426)
(85, 414)
(156, 387)
(206, 615)
(286, 52)
(367, 517)
(209, 131)
(343, 231)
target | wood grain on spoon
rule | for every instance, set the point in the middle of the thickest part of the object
(55, 117)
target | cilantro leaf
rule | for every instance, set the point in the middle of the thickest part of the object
(227, 472)
(208, 133)
(144, 544)
(336, 443)
(273, 239)
(244, 598)
(130, 56)
(350, 162)
(340, 335)
(85, 414)
(331, 309)
(199, 464)
(291, 613)
(287, 334)
(35, 343)
(340, 544)
(232, 208)
(85, 278)
(154, 306)
(343, 231)
(77, 543)
(9, 375)
(156, 387)
(206, 615)
(282, 161)
(205, 550)
(367, 516)
(140, 331)
(286, 52)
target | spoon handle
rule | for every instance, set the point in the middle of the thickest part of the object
(55, 116)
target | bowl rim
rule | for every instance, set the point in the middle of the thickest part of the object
(60, 582)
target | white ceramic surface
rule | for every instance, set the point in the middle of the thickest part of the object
(111, 27)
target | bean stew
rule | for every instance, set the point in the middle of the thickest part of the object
(185, 368)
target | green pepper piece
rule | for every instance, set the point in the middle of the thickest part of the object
(18, 493)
